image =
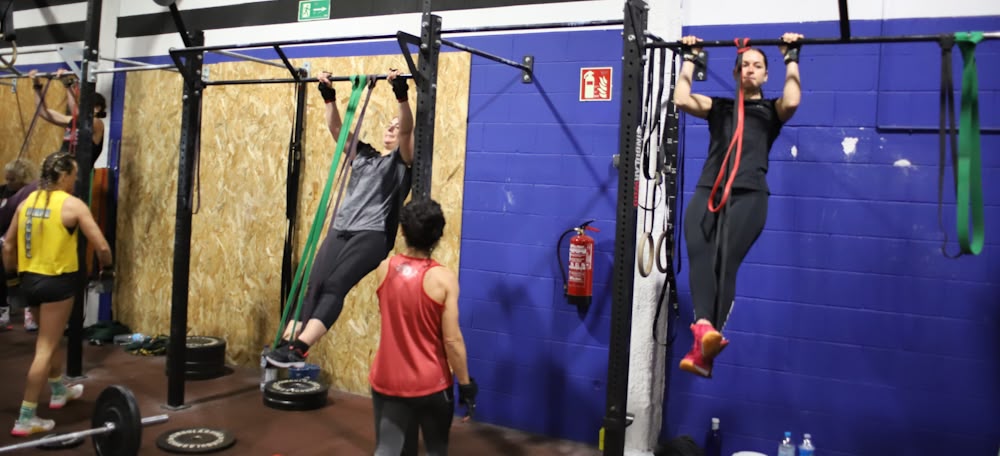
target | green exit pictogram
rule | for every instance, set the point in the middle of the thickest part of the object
(314, 10)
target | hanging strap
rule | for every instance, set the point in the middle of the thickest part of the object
(970, 175)
(353, 149)
(34, 119)
(297, 292)
(965, 150)
(946, 134)
(736, 141)
(719, 260)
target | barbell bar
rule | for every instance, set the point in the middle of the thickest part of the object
(117, 426)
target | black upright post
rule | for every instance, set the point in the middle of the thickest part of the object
(629, 170)
(292, 184)
(190, 135)
(84, 154)
(423, 144)
(845, 21)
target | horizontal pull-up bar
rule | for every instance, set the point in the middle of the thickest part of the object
(37, 75)
(136, 63)
(487, 55)
(195, 49)
(815, 41)
(136, 68)
(552, 25)
(291, 80)
(249, 58)
(30, 51)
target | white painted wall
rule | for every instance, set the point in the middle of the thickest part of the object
(647, 358)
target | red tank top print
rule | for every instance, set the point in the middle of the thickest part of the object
(411, 359)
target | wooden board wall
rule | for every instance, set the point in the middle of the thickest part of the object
(238, 233)
(15, 120)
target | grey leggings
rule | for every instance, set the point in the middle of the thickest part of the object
(397, 418)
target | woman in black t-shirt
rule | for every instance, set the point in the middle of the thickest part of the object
(743, 183)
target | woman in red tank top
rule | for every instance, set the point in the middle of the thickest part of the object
(421, 343)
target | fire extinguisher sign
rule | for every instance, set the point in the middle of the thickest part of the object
(595, 84)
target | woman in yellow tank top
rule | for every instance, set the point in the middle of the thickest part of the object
(40, 258)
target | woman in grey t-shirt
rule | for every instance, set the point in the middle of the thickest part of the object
(364, 229)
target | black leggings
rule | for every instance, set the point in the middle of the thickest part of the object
(744, 220)
(343, 259)
(397, 418)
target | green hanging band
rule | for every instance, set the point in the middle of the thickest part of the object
(297, 292)
(969, 166)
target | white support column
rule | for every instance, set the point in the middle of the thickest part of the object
(109, 42)
(109, 45)
(647, 366)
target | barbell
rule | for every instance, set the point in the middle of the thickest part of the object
(117, 426)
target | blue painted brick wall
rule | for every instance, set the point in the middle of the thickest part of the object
(849, 323)
(538, 163)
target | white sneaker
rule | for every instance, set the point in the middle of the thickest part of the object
(32, 426)
(73, 392)
(29, 321)
(4, 316)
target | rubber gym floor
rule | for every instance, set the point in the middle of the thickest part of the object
(232, 403)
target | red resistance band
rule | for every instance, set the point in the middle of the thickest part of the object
(73, 138)
(737, 141)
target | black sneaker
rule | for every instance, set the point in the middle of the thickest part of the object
(286, 356)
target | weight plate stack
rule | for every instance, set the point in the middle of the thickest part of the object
(295, 394)
(206, 358)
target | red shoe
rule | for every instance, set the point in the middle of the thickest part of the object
(694, 363)
(710, 341)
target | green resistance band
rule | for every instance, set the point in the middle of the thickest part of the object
(297, 292)
(970, 175)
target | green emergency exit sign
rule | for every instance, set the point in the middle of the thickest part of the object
(314, 10)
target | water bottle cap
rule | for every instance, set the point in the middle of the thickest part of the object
(807, 436)
(715, 421)
(788, 434)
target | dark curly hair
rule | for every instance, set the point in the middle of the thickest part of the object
(423, 223)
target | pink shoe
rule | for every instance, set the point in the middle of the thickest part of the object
(32, 426)
(694, 363)
(710, 341)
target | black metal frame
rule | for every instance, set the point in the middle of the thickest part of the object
(292, 185)
(634, 35)
(810, 41)
(629, 173)
(189, 62)
(84, 154)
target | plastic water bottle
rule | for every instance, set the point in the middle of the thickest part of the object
(807, 448)
(713, 443)
(138, 337)
(266, 373)
(787, 448)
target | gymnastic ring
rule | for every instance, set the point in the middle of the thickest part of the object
(659, 246)
(643, 242)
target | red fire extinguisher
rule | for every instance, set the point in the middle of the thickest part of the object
(579, 286)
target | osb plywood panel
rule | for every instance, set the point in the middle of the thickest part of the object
(346, 352)
(238, 233)
(238, 227)
(147, 200)
(15, 120)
